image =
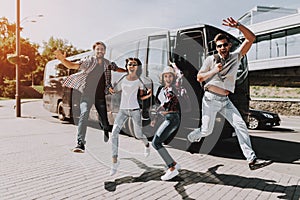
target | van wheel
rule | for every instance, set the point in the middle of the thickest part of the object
(60, 112)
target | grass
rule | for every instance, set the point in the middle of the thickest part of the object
(38, 88)
(26, 92)
(274, 92)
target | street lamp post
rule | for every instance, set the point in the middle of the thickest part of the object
(17, 96)
(27, 19)
(18, 59)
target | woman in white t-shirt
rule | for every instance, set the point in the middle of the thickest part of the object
(130, 85)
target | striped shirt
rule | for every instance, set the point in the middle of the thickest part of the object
(78, 80)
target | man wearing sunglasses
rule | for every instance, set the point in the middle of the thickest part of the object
(219, 73)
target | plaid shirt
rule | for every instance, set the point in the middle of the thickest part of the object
(171, 102)
(78, 80)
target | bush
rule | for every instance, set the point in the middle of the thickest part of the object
(8, 90)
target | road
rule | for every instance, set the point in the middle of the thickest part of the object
(36, 163)
(280, 144)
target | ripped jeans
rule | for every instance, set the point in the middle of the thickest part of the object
(213, 104)
(121, 117)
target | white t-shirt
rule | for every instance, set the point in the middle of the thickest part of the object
(129, 89)
(227, 77)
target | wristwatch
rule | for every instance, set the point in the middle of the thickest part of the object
(238, 24)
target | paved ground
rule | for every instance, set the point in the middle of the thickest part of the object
(36, 163)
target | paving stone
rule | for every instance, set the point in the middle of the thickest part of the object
(36, 163)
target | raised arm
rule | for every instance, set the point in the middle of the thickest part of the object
(62, 58)
(179, 74)
(249, 35)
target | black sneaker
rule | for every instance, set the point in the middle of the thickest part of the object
(106, 136)
(79, 148)
(258, 163)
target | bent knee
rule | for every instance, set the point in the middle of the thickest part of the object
(115, 131)
(240, 125)
(156, 145)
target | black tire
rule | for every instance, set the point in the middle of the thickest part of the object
(60, 112)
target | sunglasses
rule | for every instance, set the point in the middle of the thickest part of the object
(131, 64)
(224, 45)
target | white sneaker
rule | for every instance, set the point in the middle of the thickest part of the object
(147, 151)
(114, 168)
(169, 174)
(194, 136)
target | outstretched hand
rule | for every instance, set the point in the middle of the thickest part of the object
(59, 55)
(230, 22)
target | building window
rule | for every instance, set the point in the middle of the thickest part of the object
(263, 47)
(252, 52)
(293, 41)
(278, 44)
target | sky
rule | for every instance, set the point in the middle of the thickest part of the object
(83, 22)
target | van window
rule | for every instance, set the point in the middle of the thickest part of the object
(157, 57)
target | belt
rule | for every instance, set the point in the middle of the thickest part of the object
(134, 109)
(220, 95)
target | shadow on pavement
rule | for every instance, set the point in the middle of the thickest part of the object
(265, 148)
(187, 177)
(281, 129)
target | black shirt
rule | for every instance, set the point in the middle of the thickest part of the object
(95, 82)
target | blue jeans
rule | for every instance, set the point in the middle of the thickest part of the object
(168, 126)
(121, 117)
(86, 103)
(211, 105)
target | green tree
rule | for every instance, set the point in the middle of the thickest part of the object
(7, 30)
(7, 46)
(61, 44)
(35, 68)
(47, 53)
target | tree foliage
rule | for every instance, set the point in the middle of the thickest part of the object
(8, 46)
(48, 49)
(61, 44)
(35, 68)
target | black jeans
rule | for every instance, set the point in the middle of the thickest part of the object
(165, 130)
(100, 105)
(86, 103)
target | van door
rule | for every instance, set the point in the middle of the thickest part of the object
(157, 58)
